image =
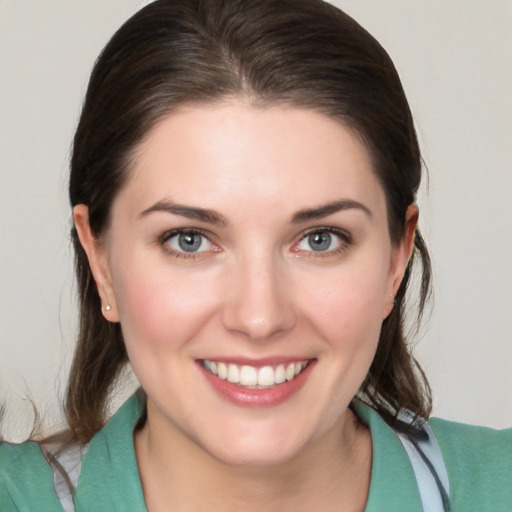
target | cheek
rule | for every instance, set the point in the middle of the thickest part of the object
(348, 302)
(346, 312)
(159, 307)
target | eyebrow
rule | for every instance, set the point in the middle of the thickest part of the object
(190, 212)
(215, 218)
(328, 209)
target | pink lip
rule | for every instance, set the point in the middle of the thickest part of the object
(269, 397)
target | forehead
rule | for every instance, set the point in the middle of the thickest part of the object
(234, 154)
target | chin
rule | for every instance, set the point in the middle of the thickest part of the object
(258, 447)
(265, 456)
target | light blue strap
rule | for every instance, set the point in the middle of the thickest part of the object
(429, 468)
(70, 461)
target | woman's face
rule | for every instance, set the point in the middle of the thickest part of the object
(250, 245)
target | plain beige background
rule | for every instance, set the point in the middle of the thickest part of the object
(455, 61)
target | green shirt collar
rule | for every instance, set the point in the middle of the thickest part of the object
(110, 480)
(393, 483)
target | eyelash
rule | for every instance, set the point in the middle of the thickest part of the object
(164, 239)
(345, 240)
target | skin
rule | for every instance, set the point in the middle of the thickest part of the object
(255, 289)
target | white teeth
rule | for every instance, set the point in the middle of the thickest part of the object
(233, 373)
(280, 374)
(250, 376)
(222, 371)
(266, 376)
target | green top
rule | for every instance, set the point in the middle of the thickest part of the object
(478, 460)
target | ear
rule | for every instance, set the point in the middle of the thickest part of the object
(401, 254)
(98, 262)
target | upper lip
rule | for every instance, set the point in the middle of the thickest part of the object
(258, 362)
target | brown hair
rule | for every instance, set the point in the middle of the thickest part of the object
(304, 53)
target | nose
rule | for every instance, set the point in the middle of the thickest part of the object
(258, 303)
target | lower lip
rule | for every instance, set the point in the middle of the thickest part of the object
(268, 397)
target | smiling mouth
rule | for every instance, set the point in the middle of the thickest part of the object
(251, 377)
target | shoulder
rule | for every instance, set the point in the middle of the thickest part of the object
(25, 478)
(479, 465)
(105, 478)
(21, 460)
(472, 445)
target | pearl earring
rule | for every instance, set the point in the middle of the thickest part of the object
(107, 307)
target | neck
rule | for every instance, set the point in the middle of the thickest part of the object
(332, 473)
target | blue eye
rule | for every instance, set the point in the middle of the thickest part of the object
(321, 241)
(188, 242)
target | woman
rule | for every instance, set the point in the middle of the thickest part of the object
(243, 187)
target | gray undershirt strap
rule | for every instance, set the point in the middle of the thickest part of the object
(70, 461)
(429, 469)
